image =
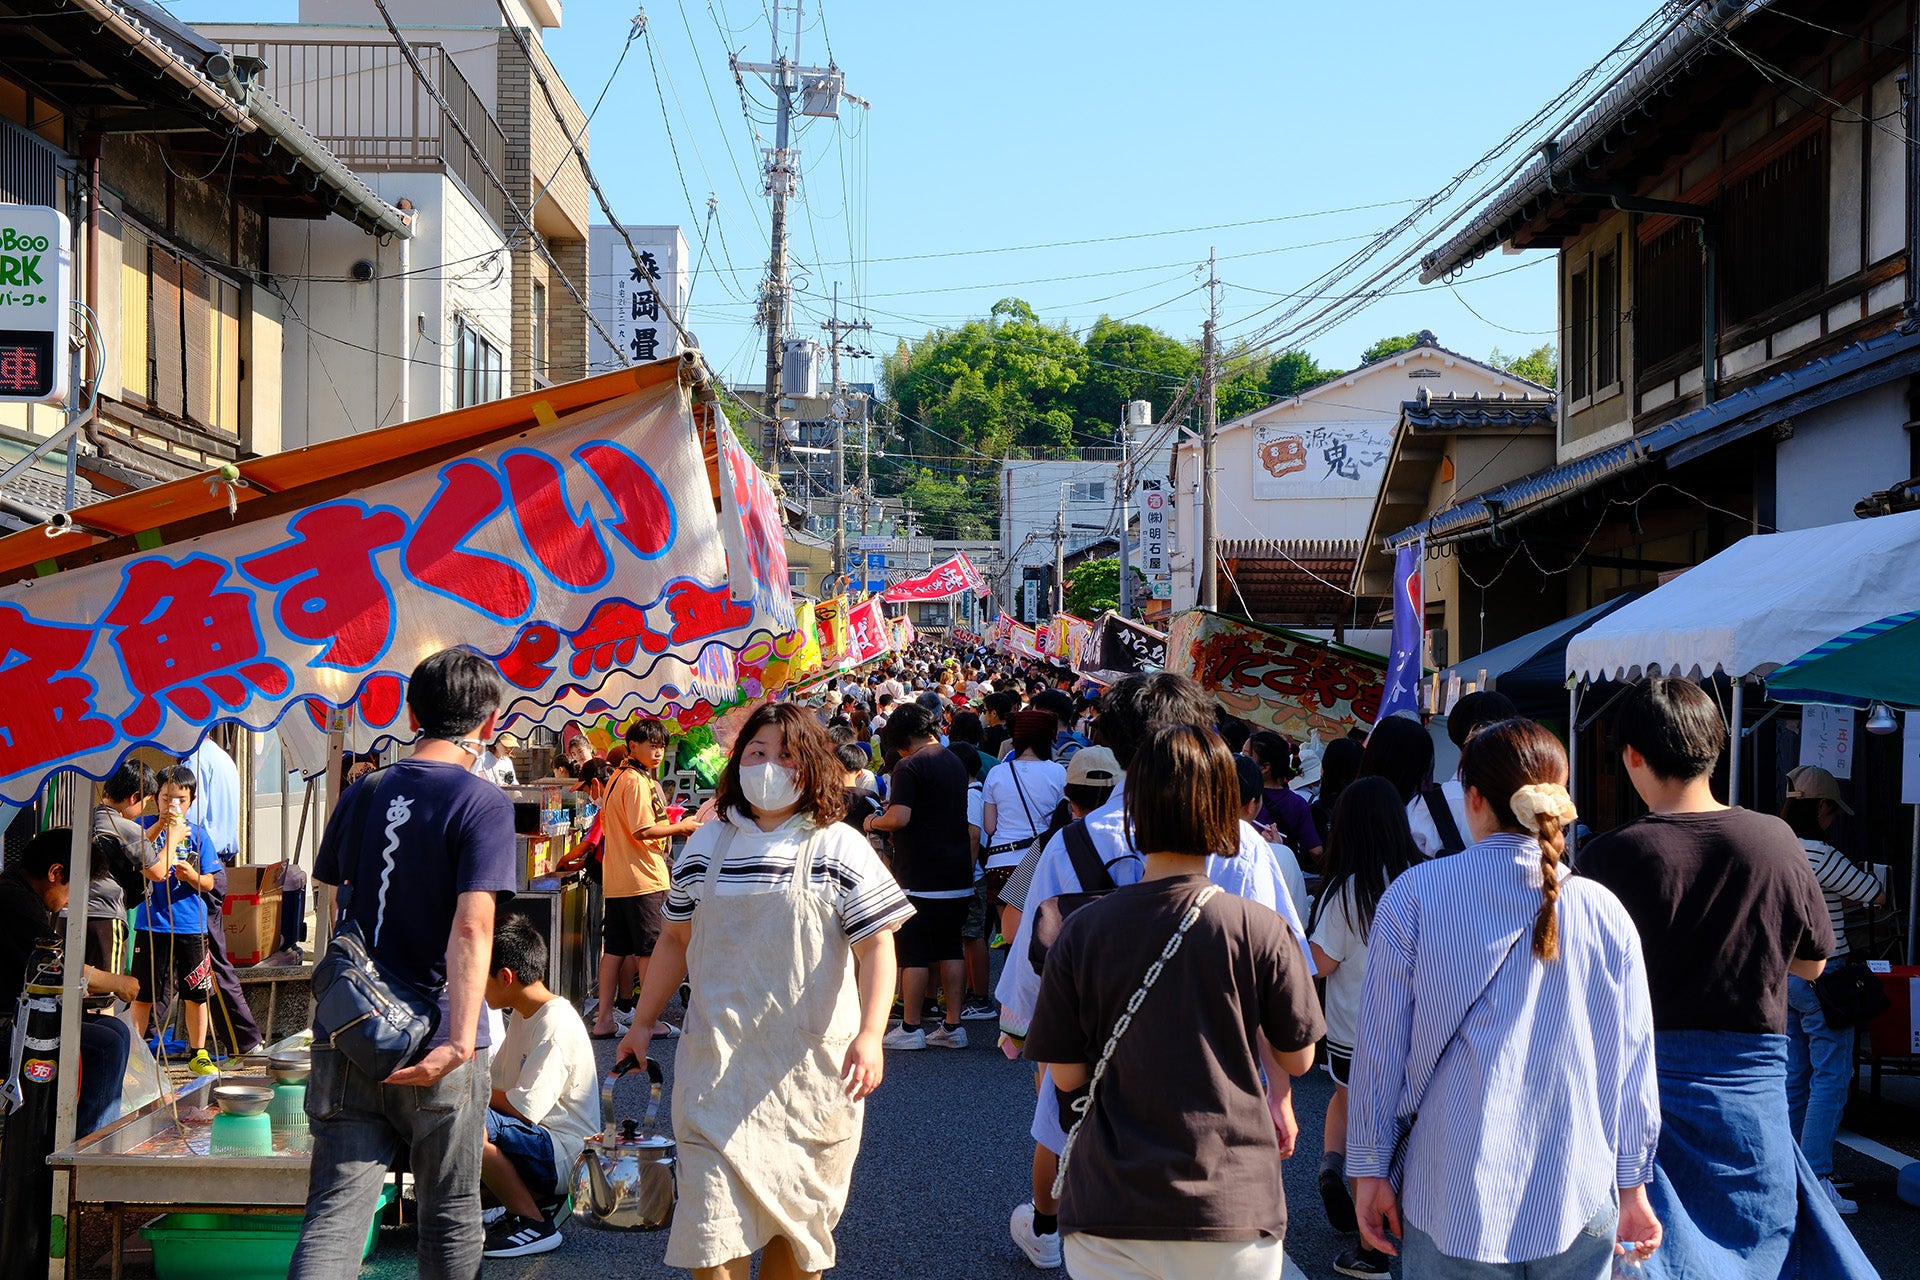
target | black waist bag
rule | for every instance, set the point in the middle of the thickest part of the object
(1851, 995)
(377, 1022)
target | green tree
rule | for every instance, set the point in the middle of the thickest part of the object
(1129, 362)
(1541, 365)
(1093, 587)
(1389, 346)
(1295, 371)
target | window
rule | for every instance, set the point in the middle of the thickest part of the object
(1090, 491)
(477, 367)
(1593, 324)
(1666, 288)
(1774, 243)
(179, 335)
(796, 578)
(539, 355)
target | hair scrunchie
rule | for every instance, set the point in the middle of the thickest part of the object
(1542, 799)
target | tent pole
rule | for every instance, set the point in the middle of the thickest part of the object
(1573, 741)
(1733, 746)
(73, 981)
(1913, 882)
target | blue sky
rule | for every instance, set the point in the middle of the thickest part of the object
(997, 125)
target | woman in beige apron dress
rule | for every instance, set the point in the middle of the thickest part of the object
(782, 1039)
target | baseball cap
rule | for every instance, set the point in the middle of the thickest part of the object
(1093, 767)
(1811, 782)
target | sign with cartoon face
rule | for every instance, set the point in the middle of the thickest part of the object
(1321, 459)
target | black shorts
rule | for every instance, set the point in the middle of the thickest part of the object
(933, 932)
(171, 962)
(631, 926)
(1339, 1063)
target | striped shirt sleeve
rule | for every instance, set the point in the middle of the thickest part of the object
(1384, 1040)
(1638, 1132)
(1840, 876)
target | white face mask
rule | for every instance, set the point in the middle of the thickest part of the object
(769, 787)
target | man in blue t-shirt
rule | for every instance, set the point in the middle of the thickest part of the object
(422, 852)
(170, 927)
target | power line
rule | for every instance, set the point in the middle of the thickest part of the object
(534, 237)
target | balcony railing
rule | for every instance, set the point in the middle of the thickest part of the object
(365, 104)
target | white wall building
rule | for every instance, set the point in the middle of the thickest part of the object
(626, 304)
(1297, 480)
(1033, 492)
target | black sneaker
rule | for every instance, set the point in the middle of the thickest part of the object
(515, 1237)
(1333, 1194)
(1367, 1264)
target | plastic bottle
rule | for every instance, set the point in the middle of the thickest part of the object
(1625, 1265)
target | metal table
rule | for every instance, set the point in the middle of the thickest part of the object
(155, 1160)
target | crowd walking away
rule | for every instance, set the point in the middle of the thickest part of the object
(1548, 1057)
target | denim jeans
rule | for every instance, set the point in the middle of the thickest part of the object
(360, 1127)
(1589, 1257)
(105, 1042)
(1819, 1073)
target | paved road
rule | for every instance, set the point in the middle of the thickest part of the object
(945, 1158)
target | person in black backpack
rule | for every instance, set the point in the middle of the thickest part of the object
(1129, 712)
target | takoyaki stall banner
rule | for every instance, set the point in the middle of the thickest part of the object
(581, 547)
(1284, 680)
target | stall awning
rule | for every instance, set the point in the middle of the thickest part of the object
(1531, 669)
(281, 482)
(1761, 603)
(577, 536)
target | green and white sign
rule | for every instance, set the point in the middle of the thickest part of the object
(36, 290)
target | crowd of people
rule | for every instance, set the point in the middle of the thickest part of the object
(1553, 1053)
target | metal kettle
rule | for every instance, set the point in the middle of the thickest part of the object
(624, 1179)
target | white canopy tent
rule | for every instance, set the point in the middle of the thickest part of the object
(1758, 605)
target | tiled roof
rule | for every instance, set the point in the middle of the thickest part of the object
(45, 491)
(1852, 369)
(1459, 413)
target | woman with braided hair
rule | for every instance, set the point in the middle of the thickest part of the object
(1504, 1107)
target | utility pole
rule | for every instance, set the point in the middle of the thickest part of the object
(820, 89)
(1060, 554)
(836, 331)
(1126, 577)
(1209, 412)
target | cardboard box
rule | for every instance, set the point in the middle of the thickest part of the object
(251, 912)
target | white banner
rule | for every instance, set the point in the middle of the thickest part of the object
(1156, 547)
(1321, 459)
(571, 553)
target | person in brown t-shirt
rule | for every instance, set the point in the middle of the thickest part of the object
(634, 871)
(1175, 1169)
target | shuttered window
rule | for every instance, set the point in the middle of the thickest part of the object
(179, 336)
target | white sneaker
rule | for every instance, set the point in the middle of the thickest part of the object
(902, 1038)
(1042, 1251)
(1841, 1204)
(622, 1017)
(490, 1216)
(946, 1037)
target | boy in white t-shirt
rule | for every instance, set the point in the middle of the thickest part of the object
(545, 1100)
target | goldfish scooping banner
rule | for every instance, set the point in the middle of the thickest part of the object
(570, 552)
(1286, 681)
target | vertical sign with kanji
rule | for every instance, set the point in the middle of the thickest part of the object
(36, 290)
(1156, 552)
(633, 308)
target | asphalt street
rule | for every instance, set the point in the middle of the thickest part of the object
(945, 1158)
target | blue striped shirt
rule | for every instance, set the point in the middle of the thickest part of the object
(1535, 1100)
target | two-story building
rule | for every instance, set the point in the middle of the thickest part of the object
(471, 137)
(1297, 481)
(173, 163)
(1732, 221)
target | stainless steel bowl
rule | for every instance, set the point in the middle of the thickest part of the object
(290, 1068)
(242, 1099)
